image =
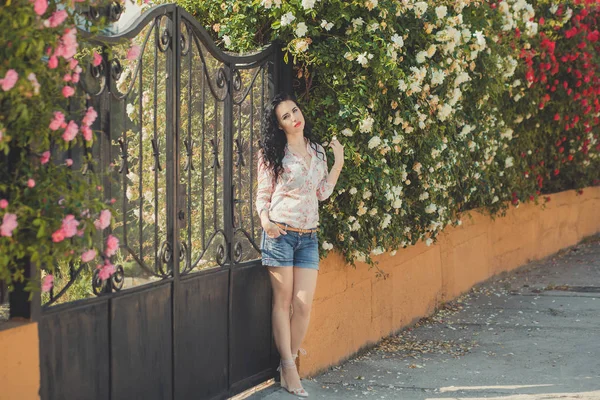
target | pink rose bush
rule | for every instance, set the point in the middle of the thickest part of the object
(48, 210)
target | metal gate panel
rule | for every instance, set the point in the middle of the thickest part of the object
(141, 344)
(201, 346)
(254, 356)
(73, 356)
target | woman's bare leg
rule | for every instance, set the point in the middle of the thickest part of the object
(305, 283)
(282, 282)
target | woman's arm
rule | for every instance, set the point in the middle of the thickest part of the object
(328, 183)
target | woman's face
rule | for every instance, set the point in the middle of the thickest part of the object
(289, 117)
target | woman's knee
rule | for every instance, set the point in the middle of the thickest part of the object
(301, 307)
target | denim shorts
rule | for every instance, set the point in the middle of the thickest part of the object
(292, 250)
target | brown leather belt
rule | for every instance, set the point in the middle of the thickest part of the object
(286, 227)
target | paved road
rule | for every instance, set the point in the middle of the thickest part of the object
(530, 334)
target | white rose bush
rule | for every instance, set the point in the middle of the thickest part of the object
(443, 106)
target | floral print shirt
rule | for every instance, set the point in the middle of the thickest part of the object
(293, 199)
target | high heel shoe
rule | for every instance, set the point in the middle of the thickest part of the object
(290, 364)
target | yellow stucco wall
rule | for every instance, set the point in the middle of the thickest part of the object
(19, 361)
(353, 308)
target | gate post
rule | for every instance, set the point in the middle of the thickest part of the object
(280, 74)
(20, 306)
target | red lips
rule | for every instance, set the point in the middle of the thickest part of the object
(297, 124)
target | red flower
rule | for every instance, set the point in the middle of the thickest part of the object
(556, 117)
(556, 171)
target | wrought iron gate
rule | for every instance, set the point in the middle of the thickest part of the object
(187, 313)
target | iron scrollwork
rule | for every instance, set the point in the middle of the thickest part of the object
(112, 284)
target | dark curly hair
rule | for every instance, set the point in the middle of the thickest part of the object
(273, 140)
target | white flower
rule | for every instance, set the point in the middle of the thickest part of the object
(362, 210)
(420, 8)
(327, 246)
(326, 25)
(287, 19)
(377, 251)
(441, 11)
(308, 4)
(437, 77)
(431, 208)
(429, 241)
(421, 56)
(495, 199)
(366, 125)
(431, 50)
(444, 111)
(480, 40)
(227, 40)
(371, 4)
(356, 22)
(393, 252)
(349, 56)
(367, 194)
(507, 134)
(301, 29)
(373, 212)
(387, 219)
(302, 45)
(424, 196)
(355, 226)
(402, 86)
(374, 142)
(353, 191)
(362, 59)
(461, 78)
(397, 203)
(398, 41)
(509, 162)
(267, 3)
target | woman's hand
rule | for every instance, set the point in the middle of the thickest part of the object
(338, 152)
(273, 231)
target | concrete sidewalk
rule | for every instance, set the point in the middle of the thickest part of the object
(533, 333)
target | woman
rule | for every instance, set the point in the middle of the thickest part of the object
(292, 177)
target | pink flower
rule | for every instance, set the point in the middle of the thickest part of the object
(75, 77)
(3, 204)
(133, 53)
(53, 62)
(97, 59)
(112, 245)
(9, 81)
(9, 223)
(70, 132)
(40, 6)
(47, 283)
(68, 44)
(68, 91)
(30, 183)
(73, 63)
(88, 256)
(67, 78)
(68, 162)
(90, 116)
(104, 221)
(59, 119)
(45, 157)
(69, 226)
(106, 270)
(57, 18)
(87, 133)
(58, 235)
